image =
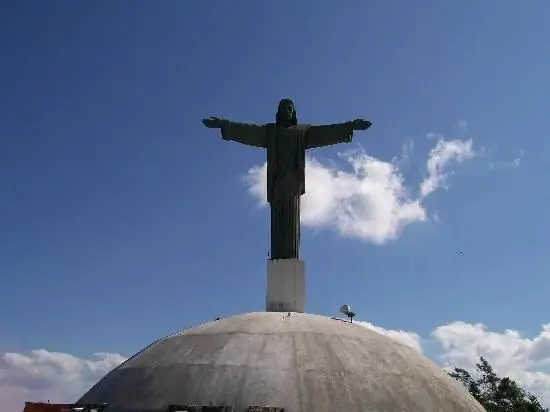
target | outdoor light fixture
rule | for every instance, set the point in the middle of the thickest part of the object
(346, 311)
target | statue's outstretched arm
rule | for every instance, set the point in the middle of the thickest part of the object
(326, 135)
(245, 133)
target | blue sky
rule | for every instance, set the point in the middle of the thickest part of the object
(123, 219)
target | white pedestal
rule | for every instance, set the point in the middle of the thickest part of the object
(286, 285)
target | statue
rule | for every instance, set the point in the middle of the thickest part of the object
(286, 142)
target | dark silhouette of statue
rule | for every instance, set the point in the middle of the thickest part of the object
(286, 142)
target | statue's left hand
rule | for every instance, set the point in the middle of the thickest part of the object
(361, 124)
(213, 122)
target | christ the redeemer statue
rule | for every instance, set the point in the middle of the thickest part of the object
(286, 142)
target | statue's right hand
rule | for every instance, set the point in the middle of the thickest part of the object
(213, 122)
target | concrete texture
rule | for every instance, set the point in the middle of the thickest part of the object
(286, 285)
(301, 362)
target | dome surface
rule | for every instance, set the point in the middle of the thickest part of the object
(301, 362)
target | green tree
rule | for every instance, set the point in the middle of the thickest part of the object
(497, 394)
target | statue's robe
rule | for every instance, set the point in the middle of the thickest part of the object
(286, 158)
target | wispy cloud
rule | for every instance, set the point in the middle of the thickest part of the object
(461, 128)
(514, 164)
(440, 159)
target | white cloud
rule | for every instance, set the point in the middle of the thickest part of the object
(461, 344)
(410, 339)
(369, 199)
(440, 158)
(42, 375)
(511, 354)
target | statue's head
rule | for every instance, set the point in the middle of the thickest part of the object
(286, 113)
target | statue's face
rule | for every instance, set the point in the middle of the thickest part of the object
(286, 109)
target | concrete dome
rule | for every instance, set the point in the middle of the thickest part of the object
(301, 363)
